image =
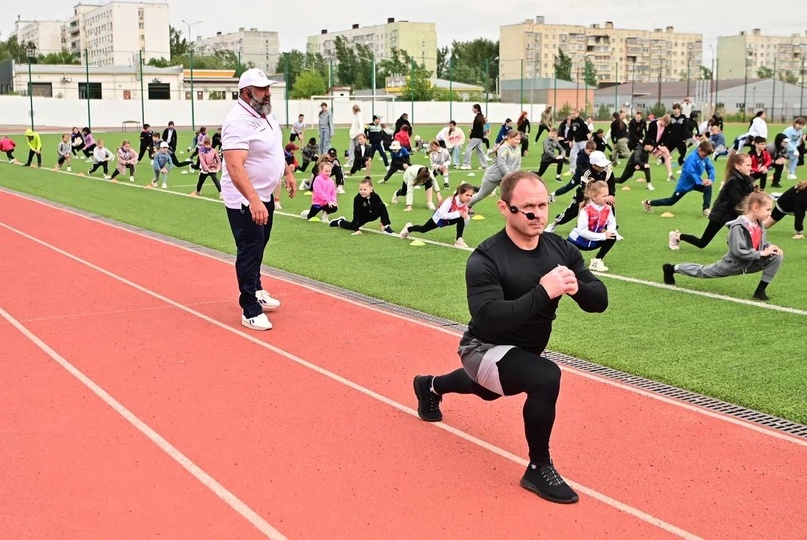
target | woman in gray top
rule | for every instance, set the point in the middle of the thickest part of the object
(508, 159)
(325, 128)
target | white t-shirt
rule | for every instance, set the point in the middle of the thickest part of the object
(298, 127)
(244, 129)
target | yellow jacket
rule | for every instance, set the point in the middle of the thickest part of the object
(33, 139)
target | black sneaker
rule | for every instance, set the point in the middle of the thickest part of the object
(669, 273)
(428, 401)
(336, 222)
(544, 481)
(761, 295)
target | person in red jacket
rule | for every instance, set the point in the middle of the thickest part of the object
(403, 137)
(760, 161)
(7, 145)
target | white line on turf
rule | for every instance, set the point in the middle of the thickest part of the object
(636, 281)
(627, 387)
(197, 472)
(635, 512)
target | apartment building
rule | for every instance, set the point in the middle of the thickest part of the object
(112, 34)
(261, 49)
(528, 50)
(419, 40)
(743, 55)
(45, 36)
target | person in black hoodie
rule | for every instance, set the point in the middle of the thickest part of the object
(475, 139)
(146, 135)
(367, 207)
(170, 136)
(793, 201)
(717, 120)
(778, 151)
(737, 185)
(638, 161)
(637, 128)
(677, 139)
(619, 137)
(402, 121)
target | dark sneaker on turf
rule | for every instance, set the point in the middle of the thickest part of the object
(428, 401)
(544, 481)
(669, 273)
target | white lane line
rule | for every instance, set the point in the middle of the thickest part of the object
(635, 512)
(208, 481)
(658, 285)
(627, 387)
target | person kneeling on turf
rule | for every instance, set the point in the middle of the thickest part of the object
(367, 207)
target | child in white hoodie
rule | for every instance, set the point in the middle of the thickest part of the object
(101, 156)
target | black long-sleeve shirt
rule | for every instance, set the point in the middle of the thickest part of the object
(367, 209)
(637, 130)
(508, 305)
(619, 130)
(795, 202)
(478, 127)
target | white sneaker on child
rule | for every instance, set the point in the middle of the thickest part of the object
(460, 243)
(431, 206)
(405, 231)
(597, 266)
(340, 190)
(261, 322)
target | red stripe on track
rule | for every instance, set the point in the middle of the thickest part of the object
(70, 467)
(683, 467)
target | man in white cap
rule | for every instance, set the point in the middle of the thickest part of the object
(252, 144)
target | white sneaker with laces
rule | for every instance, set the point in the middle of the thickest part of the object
(405, 231)
(69, 169)
(597, 266)
(431, 206)
(394, 199)
(674, 241)
(325, 218)
(551, 227)
(261, 322)
(267, 302)
(165, 186)
(184, 172)
(107, 177)
(650, 187)
(340, 190)
(552, 197)
(460, 243)
(131, 179)
(304, 214)
(791, 177)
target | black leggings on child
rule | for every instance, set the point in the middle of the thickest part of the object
(604, 248)
(31, 155)
(358, 222)
(103, 164)
(10, 154)
(430, 225)
(519, 372)
(712, 228)
(130, 167)
(203, 177)
(630, 170)
(316, 209)
(546, 164)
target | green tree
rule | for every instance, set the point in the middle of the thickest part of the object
(347, 63)
(705, 73)
(62, 57)
(11, 49)
(764, 72)
(563, 66)
(563, 112)
(307, 84)
(419, 87)
(658, 109)
(158, 62)
(590, 73)
(789, 77)
(603, 113)
(470, 59)
(443, 58)
(176, 44)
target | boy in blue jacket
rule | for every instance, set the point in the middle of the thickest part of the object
(691, 179)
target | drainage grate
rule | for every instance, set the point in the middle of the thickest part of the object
(712, 404)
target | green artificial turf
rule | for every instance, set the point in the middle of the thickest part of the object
(740, 353)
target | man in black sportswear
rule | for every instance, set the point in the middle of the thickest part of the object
(515, 280)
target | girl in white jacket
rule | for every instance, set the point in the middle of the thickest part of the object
(356, 129)
(452, 211)
(596, 225)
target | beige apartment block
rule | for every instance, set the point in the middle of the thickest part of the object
(419, 40)
(45, 36)
(258, 48)
(528, 50)
(112, 34)
(743, 55)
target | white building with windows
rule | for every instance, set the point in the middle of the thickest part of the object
(45, 36)
(112, 34)
(258, 48)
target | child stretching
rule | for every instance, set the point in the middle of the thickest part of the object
(760, 161)
(439, 159)
(599, 168)
(310, 153)
(748, 250)
(737, 185)
(8, 146)
(126, 160)
(696, 164)
(638, 161)
(161, 165)
(452, 211)
(553, 155)
(101, 156)
(367, 207)
(596, 225)
(414, 176)
(34, 147)
(323, 198)
(65, 151)
(400, 160)
(210, 164)
(791, 202)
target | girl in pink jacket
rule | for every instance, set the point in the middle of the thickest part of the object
(7, 146)
(323, 196)
(209, 166)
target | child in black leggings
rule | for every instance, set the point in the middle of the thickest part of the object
(452, 211)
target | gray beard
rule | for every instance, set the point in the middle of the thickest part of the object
(264, 109)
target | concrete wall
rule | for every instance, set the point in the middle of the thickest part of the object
(109, 114)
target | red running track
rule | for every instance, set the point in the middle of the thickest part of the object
(314, 449)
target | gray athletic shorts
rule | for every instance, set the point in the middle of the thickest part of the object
(479, 361)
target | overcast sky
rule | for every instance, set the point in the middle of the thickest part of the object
(460, 20)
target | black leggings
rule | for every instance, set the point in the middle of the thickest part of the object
(316, 209)
(541, 129)
(712, 228)
(394, 167)
(525, 143)
(519, 372)
(358, 222)
(429, 184)
(10, 154)
(777, 173)
(102, 164)
(131, 168)
(630, 170)
(203, 177)
(604, 248)
(144, 149)
(762, 177)
(546, 164)
(178, 163)
(31, 155)
(430, 225)
(88, 150)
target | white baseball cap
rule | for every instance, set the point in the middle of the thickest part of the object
(254, 77)
(163, 144)
(598, 158)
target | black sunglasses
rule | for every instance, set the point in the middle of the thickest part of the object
(529, 215)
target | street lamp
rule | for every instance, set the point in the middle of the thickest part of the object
(30, 53)
(190, 53)
(372, 83)
(748, 58)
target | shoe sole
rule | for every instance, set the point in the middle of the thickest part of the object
(268, 309)
(530, 487)
(420, 398)
(246, 324)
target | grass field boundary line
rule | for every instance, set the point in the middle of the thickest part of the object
(594, 494)
(184, 461)
(305, 283)
(626, 279)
